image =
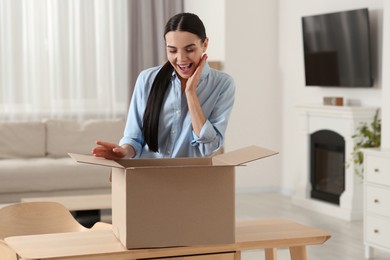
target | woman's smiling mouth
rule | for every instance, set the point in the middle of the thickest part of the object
(185, 67)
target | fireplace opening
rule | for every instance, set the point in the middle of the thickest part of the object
(327, 166)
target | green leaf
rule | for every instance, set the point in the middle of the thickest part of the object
(366, 136)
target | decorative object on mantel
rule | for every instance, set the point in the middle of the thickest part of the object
(333, 101)
(367, 136)
(215, 65)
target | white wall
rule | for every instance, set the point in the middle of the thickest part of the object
(251, 58)
(249, 50)
(212, 13)
(264, 53)
(386, 77)
(292, 71)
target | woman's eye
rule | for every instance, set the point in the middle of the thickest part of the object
(190, 50)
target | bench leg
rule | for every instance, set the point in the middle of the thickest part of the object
(368, 252)
(298, 253)
(237, 255)
(270, 254)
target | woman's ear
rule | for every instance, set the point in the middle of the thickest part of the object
(205, 44)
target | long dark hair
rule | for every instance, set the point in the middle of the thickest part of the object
(186, 22)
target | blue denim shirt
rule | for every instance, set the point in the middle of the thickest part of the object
(176, 137)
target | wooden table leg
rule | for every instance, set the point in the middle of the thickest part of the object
(270, 254)
(298, 253)
(237, 255)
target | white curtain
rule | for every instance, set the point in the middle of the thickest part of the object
(63, 58)
(77, 58)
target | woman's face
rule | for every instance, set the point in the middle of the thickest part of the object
(184, 51)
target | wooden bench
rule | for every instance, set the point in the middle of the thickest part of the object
(268, 234)
(77, 202)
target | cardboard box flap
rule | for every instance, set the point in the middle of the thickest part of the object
(241, 156)
(165, 162)
(142, 163)
(89, 159)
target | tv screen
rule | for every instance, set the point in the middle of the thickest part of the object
(337, 49)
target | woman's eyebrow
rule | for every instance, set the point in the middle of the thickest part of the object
(173, 47)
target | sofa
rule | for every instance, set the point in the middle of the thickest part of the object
(34, 161)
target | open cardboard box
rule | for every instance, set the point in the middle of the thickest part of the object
(175, 201)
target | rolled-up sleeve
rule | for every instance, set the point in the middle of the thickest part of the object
(211, 137)
(207, 134)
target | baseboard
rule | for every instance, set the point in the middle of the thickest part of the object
(258, 189)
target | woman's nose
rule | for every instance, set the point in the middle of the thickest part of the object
(181, 56)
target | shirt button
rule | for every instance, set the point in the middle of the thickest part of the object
(169, 151)
(177, 112)
(173, 132)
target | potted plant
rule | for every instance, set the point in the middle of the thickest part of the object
(368, 135)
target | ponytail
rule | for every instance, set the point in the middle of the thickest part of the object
(153, 106)
(186, 22)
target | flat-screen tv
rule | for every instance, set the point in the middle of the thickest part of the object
(337, 49)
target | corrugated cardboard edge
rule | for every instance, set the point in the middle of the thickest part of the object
(234, 158)
(88, 159)
(243, 155)
(143, 162)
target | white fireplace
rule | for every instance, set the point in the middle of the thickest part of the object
(342, 120)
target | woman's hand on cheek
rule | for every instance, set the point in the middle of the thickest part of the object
(193, 81)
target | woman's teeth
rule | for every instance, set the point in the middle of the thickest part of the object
(185, 68)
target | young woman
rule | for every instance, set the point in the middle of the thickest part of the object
(180, 109)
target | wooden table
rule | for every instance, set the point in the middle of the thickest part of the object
(268, 234)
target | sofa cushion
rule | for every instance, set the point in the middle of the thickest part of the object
(50, 174)
(22, 140)
(64, 136)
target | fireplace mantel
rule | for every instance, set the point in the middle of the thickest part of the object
(349, 112)
(343, 120)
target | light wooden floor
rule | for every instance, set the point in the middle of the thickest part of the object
(347, 237)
